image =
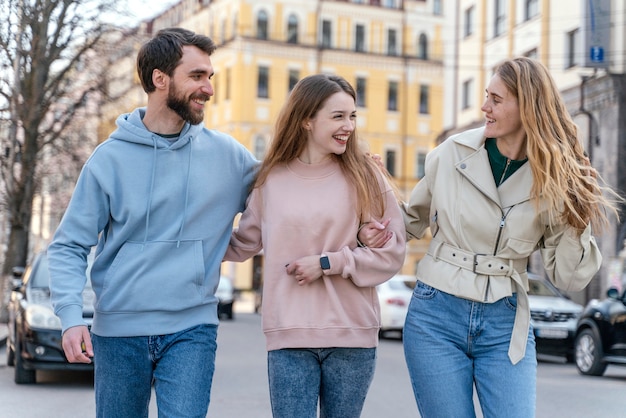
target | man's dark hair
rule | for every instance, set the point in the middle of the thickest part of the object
(164, 52)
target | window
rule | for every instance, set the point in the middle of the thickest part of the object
(227, 86)
(437, 10)
(392, 47)
(326, 34)
(500, 18)
(572, 44)
(359, 36)
(259, 147)
(424, 95)
(361, 91)
(390, 162)
(292, 29)
(466, 99)
(392, 96)
(262, 88)
(422, 47)
(468, 24)
(294, 76)
(531, 9)
(261, 25)
(420, 165)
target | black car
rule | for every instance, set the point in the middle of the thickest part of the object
(34, 338)
(225, 298)
(553, 317)
(601, 334)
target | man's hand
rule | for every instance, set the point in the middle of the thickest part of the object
(374, 234)
(77, 345)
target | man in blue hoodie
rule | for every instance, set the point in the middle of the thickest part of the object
(157, 199)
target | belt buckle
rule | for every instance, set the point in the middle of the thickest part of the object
(475, 263)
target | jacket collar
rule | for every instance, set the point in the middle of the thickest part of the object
(475, 167)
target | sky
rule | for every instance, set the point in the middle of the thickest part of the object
(145, 9)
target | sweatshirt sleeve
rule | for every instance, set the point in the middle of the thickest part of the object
(571, 257)
(67, 253)
(368, 267)
(246, 240)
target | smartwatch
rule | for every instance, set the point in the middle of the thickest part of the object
(324, 262)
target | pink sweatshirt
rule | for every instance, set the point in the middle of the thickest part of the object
(305, 210)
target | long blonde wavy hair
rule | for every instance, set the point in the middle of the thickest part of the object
(290, 138)
(563, 177)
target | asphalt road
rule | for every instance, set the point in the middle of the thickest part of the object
(240, 385)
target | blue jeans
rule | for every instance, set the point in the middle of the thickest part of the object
(338, 377)
(452, 344)
(179, 365)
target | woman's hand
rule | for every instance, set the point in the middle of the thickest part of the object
(305, 270)
(374, 234)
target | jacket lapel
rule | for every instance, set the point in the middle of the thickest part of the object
(475, 167)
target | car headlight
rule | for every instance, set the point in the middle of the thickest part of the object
(42, 317)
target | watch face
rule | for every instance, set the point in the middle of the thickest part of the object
(325, 263)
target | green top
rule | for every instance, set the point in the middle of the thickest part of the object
(501, 166)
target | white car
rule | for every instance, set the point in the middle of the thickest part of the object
(394, 296)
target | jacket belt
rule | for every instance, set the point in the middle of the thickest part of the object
(484, 264)
(489, 265)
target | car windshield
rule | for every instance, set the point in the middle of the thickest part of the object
(540, 288)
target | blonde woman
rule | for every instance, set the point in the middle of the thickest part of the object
(491, 197)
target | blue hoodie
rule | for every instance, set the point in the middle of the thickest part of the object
(161, 214)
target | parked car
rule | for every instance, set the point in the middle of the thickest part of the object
(226, 298)
(601, 334)
(394, 296)
(553, 317)
(34, 337)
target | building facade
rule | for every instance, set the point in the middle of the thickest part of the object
(420, 68)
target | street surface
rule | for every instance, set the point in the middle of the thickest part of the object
(240, 385)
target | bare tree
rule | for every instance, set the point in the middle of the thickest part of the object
(53, 64)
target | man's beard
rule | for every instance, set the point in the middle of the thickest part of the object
(180, 105)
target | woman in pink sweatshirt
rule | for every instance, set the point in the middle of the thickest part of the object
(314, 189)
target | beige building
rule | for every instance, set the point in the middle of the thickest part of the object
(392, 52)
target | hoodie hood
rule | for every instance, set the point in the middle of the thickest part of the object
(130, 128)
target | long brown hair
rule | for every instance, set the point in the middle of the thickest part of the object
(563, 177)
(290, 138)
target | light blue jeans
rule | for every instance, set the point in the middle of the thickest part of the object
(338, 377)
(179, 365)
(452, 344)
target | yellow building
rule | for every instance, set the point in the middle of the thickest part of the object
(392, 52)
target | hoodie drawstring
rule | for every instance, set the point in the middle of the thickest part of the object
(152, 180)
(182, 224)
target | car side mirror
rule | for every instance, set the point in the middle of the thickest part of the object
(612, 293)
(16, 277)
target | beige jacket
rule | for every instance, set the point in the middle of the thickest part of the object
(483, 235)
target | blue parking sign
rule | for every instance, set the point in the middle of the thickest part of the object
(596, 54)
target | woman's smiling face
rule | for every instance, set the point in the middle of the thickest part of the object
(329, 130)
(502, 112)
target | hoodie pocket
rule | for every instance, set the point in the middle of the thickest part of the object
(154, 276)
